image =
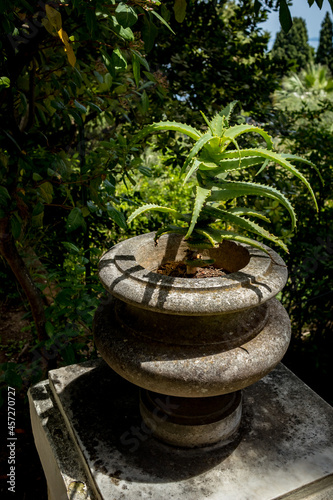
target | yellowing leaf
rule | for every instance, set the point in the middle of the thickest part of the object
(48, 26)
(68, 48)
(54, 17)
(63, 37)
(70, 55)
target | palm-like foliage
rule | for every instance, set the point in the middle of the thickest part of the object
(307, 88)
(215, 155)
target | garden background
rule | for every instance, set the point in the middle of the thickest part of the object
(78, 80)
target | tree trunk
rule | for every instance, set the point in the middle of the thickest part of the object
(10, 253)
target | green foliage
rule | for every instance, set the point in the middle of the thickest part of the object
(324, 54)
(308, 88)
(50, 102)
(217, 54)
(212, 160)
(306, 127)
(75, 81)
(293, 47)
(69, 319)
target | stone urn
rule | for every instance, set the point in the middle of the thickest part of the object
(191, 345)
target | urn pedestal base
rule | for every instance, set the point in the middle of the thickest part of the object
(191, 389)
(191, 422)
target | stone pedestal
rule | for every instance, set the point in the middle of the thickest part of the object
(195, 343)
(93, 443)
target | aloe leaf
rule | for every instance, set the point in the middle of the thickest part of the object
(219, 235)
(237, 130)
(210, 241)
(218, 125)
(231, 164)
(200, 198)
(278, 158)
(228, 190)
(207, 122)
(246, 224)
(193, 169)
(152, 206)
(264, 165)
(291, 157)
(169, 230)
(248, 211)
(227, 111)
(182, 128)
(196, 148)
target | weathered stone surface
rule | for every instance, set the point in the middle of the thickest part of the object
(64, 471)
(127, 272)
(197, 369)
(191, 338)
(283, 450)
(191, 422)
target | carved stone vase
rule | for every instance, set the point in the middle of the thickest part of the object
(192, 345)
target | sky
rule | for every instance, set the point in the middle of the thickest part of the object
(313, 17)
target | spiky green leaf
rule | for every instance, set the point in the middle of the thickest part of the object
(219, 235)
(218, 125)
(228, 110)
(209, 243)
(248, 211)
(277, 158)
(169, 230)
(246, 224)
(200, 197)
(196, 148)
(291, 157)
(207, 121)
(193, 169)
(229, 165)
(228, 190)
(238, 130)
(153, 207)
(182, 128)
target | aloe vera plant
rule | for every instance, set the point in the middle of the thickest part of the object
(213, 158)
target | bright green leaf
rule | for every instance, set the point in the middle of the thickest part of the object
(4, 81)
(118, 61)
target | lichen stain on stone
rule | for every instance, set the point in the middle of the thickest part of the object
(77, 490)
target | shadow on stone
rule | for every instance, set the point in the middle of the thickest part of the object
(109, 414)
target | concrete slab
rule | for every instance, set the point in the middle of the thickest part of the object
(283, 450)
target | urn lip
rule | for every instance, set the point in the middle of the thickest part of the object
(127, 272)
